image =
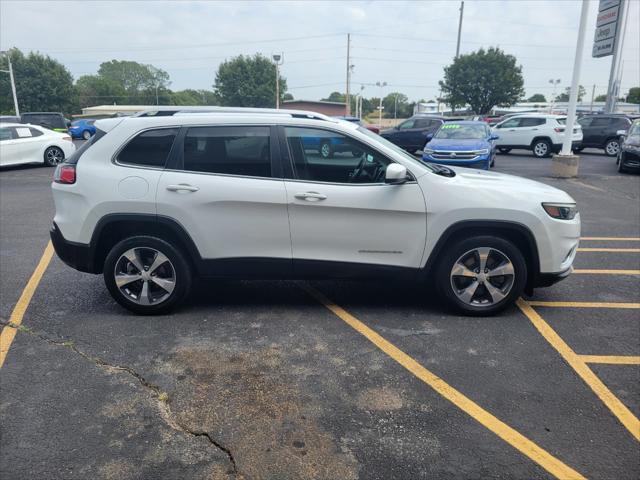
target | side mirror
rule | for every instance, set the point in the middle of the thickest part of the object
(396, 174)
(498, 126)
(429, 137)
(493, 136)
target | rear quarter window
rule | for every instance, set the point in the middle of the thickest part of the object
(148, 149)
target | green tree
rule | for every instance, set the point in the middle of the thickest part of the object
(287, 96)
(483, 79)
(396, 105)
(564, 96)
(139, 81)
(335, 97)
(246, 81)
(42, 84)
(601, 98)
(634, 95)
(94, 89)
(537, 97)
(193, 97)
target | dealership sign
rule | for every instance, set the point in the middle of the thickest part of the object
(604, 41)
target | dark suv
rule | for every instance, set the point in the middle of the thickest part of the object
(601, 131)
(411, 134)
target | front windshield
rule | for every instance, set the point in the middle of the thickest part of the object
(635, 129)
(394, 147)
(461, 131)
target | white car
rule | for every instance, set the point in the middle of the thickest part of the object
(151, 201)
(24, 143)
(542, 134)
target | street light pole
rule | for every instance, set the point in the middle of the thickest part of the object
(13, 83)
(278, 59)
(459, 28)
(555, 83)
(381, 85)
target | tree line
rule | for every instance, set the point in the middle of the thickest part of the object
(481, 79)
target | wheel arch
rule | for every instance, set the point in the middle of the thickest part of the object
(518, 234)
(115, 227)
(541, 137)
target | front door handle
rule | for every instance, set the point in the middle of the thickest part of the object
(182, 187)
(310, 196)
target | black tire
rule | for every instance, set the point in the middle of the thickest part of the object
(493, 162)
(621, 168)
(53, 156)
(541, 148)
(86, 134)
(181, 277)
(612, 147)
(500, 249)
(578, 149)
(504, 151)
(326, 150)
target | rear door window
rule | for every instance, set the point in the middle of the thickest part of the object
(5, 134)
(532, 122)
(237, 150)
(601, 122)
(512, 123)
(149, 149)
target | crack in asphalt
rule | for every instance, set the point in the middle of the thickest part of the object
(160, 396)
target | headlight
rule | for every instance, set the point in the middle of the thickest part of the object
(630, 148)
(561, 211)
(484, 151)
(428, 151)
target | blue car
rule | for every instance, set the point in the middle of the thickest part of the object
(82, 129)
(463, 144)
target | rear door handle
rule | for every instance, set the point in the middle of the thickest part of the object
(310, 196)
(182, 187)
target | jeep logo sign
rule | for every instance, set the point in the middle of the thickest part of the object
(604, 40)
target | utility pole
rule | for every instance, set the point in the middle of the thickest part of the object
(459, 28)
(593, 94)
(381, 85)
(13, 83)
(612, 90)
(395, 107)
(347, 97)
(555, 83)
(278, 59)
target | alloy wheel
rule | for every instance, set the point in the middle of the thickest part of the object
(54, 155)
(145, 276)
(482, 277)
(612, 148)
(541, 149)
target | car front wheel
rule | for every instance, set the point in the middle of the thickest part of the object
(612, 147)
(482, 275)
(147, 275)
(86, 135)
(504, 150)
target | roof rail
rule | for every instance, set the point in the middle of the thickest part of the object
(166, 111)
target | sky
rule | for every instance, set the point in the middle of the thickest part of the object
(403, 43)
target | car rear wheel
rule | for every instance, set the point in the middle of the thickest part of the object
(325, 150)
(86, 135)
(504, 150)
(53, 156)
(541, 148)
(481, 275)
(147, 275)
(612, 147)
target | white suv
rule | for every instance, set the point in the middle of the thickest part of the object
(150, 202)
(542, 134)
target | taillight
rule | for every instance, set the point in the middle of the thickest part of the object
(65, 174)
(559, 129)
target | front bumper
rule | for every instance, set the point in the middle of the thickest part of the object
(481, 162)
(630, 159)
(548, 279)
(76, 255)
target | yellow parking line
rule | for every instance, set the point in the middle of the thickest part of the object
(584, 304)
(9, 332)
(616, 250)
(501, 429)
(587, 271)
(611, 359)
(611, 239)
(622, 413)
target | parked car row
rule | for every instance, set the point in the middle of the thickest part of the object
(629, 152)
(55, 121)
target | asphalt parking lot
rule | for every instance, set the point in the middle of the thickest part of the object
(326, 380)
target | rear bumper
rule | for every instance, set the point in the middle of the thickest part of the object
(76, 255)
